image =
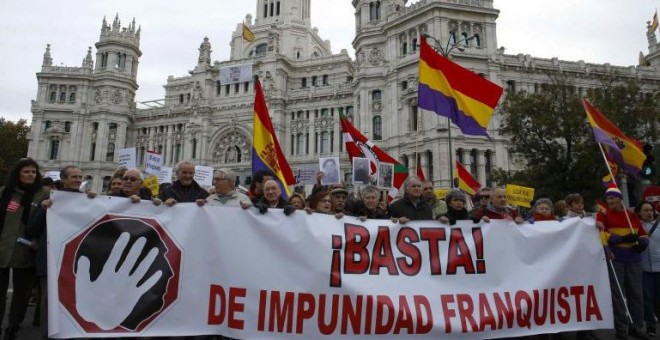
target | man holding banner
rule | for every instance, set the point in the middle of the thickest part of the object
(497, 209)
(185, 188)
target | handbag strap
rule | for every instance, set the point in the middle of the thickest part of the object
(655, 225)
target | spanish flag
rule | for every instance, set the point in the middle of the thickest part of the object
(247, 33)
(619, 148)
(466, 182)
(449, 90)
(266, 151)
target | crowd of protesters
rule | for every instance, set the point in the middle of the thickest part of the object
(631, 243)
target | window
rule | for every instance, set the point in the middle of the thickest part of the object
(304, 83)
(374, 10)
(404, 48)
(277, 12)
(104, 59)
(314, 81)
(194, 148)
(476, 40)
(62, 97)
(227, 87)
(188, 98)
(72, 97)
(177, 152)
(95, 126)
(272, 7)
(325, 142)
(265, 10)
(53, 97)
(376, 95)
(473, 162)
(237, 86)
(110, 155)
(452, 38)
(301, 144)
(112, 126)
(511, 86)
(414, 45)
(218, 88)
(325, 79)
(404, 85)
(246, 86)
(54, 149)
(378, 128)
(414, 118)
(47, 125)
(459, 156)
(261, 49)
(181, 98)
(92, 152)
(464, 39)
(67, 126)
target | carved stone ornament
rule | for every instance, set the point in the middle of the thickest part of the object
(375, 56)
(116, 97)
(227, 147)
(98, 96)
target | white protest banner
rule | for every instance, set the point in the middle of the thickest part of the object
(127, 158)
(219, 270)
(165, 175)
(55, 175)
(236, 74)
(306, 174)
(153, 161)
(204, 175)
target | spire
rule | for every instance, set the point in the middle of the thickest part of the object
(88, 62)
(104, 25)
(48, 60)
(116, 24)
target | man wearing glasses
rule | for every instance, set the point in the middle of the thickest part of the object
(411, 207)
(226, 195)
(483, 198)
(131, 187)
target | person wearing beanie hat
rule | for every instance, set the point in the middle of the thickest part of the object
(626, 238)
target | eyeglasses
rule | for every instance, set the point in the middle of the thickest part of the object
(131, 179)
(326, 201)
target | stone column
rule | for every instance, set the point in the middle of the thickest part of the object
(481, 167)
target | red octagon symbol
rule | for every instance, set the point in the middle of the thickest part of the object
(166, 291)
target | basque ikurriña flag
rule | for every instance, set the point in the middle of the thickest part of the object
(357, 145)
(266, 151)
(452, 91)
(619, 148)
(466, 182)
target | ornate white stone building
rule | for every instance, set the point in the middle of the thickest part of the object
(84, 115)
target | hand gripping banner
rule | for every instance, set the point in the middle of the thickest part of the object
(123, 269)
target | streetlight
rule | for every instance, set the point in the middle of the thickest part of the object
(445, 52)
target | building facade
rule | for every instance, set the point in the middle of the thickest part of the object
(84, 115)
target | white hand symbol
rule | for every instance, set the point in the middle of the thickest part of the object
(109, 300)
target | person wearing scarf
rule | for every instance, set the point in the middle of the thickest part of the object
(226, 194)
(455, 208)
(542, 211)
(497, 209)
(19, 198)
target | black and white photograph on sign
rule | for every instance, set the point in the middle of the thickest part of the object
(361, 170)
(385, 177)
(330, 168)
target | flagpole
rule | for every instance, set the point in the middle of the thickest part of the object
(602, 152)
(451, 155)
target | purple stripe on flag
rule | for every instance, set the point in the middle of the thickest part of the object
(431, 100)
(257, 165)
(600, 136)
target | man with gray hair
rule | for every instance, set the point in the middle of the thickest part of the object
(411, 207)
(185, 188)
(224, 181)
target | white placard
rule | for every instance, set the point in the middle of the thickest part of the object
(55, 175)
(236, 74)
(165, 175)
(306, 174)
(331, 171)
(127, 158)
(153, 161)
(204, 175)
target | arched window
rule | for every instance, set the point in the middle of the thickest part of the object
(104, 59)
(265, 10)
(53, 97)
(414, 45)
(67, 126)
(72, 97)
(476, 40)
(314, 81)
(378, 128)
(112, 126)
(62, 97)
(181, 98)
(110, 155)
(464, 37)
(404, 48)
(452, 38)
(277, 11)
(261, 49)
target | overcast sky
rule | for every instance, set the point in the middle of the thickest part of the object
(597, 31)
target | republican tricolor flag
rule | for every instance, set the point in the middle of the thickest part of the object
(465, 181)
(357, 145)
(619, 148)
(452, 91)
(266, 151)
